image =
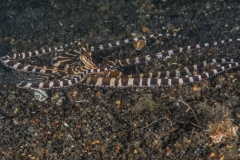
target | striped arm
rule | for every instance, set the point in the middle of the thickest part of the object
(39, 52)
(125, 82)
(106, 46)
(60, 83)
(53, 72)
(148, 82)
(129, 41)
(34, 69)
(161, 55)
(177, 73)
(61, 69)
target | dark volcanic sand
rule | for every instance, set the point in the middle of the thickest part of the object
(84, 122)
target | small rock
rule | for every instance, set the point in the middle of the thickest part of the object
(145, 30)
(212, 154)
(15, 111)
(96, 142)
(97, 95)
(208, 5)
(77, 105)
(139, 44)
(118, 102)
(40, 95)
(11, 97)
(15, 121)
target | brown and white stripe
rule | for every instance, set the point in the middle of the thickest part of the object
(177, 73)
(148, 82)
(63, 69)
(34, 69)
(106, 46)
(52, 72)
(161, 55)
(129, 41)
(125, 82)
(39, 52)
(60, 83)
(62, 61)
(67, 58)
